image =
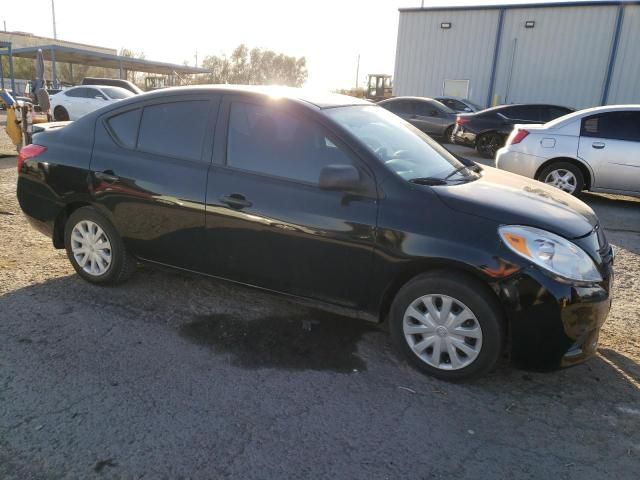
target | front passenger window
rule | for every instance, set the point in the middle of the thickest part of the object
(269, 141)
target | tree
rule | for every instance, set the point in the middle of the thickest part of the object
(255, 67)
(131, 75)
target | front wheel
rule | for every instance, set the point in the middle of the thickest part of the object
(447, 325)
(448, 135)
(489, 144)
(95, 249)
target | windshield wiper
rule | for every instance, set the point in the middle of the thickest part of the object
(431, 181)
(457, 170)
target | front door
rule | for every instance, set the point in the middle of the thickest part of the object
(149, 169)
(610, 144)
(269, 224)
(429, 118)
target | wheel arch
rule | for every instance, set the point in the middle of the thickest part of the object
(416, 269)
(61, 221)
(584, 169)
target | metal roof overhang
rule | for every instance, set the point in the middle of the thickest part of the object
(509, 6)
(98, 59)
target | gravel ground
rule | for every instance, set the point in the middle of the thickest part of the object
(173, 376)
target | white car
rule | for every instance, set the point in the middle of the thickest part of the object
(597, 149)
(74, 102)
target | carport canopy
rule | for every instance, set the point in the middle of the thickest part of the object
(58, 53)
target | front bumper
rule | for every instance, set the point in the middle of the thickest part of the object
(554, 324)
(461, 136)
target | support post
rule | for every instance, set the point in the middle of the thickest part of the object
(494, 64)
(11, 75)
(612, 56)
(54, 73)
(120, 69)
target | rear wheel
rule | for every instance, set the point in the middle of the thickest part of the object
(448, 134)
(489, 144)
(447, 325)
(95, 249)
(61, 114)
(563, 175)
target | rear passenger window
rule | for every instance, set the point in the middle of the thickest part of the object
(266, 140)
(613, 125)
(124, 127)
(174, 129)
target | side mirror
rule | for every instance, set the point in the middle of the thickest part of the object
(340, 177)
(467, 109)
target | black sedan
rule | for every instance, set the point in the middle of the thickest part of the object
(332, 200)
(487, 130)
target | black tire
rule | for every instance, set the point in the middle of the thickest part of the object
(60, 114)
(474, 295)
(122, 264)
(560, 166)
(488, 145)
(448, 134)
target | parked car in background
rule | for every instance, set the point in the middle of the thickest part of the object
(487, 130)
(427, 114)
(596, 149)
(74, 102)
(331, 199)
(113, 82)
(459, 104)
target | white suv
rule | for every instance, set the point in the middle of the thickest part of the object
(597, 149)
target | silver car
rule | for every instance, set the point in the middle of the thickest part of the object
(597, 149)
(427, 114)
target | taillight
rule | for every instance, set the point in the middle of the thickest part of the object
(462, 120)
(30, 151)
(520, 135)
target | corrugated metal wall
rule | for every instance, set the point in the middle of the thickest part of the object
(625, 83)
(427, 54)
(562, 60)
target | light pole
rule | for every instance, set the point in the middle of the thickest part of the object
(53, 14)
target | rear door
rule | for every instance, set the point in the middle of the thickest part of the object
(149, 173)
(75, 102)
(268, 222)
(610, 143)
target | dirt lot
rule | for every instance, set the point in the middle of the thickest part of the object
(172, 376)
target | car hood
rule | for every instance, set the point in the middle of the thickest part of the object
(511, 199)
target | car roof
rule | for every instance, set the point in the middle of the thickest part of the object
(413, 99)
(560, 121)
(310, 97)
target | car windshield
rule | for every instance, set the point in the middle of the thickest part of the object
(402, 148)
(117, 93)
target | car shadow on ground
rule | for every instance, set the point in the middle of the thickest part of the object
(253, 330)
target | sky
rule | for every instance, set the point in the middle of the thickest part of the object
(329, 33)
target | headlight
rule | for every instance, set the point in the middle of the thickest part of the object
(550, 252)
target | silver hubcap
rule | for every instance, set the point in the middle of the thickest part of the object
(562, 179)
(91, 247)
(442, 331)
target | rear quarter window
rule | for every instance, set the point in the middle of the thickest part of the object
(124, 127)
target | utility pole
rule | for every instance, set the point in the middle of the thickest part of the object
(358, 71)
(53, 14)
(5, 25)
(196, 58)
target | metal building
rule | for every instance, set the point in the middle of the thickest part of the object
(578, 54)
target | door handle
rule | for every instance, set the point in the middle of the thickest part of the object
(236, 200)
(598, 145)
(107, 176)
